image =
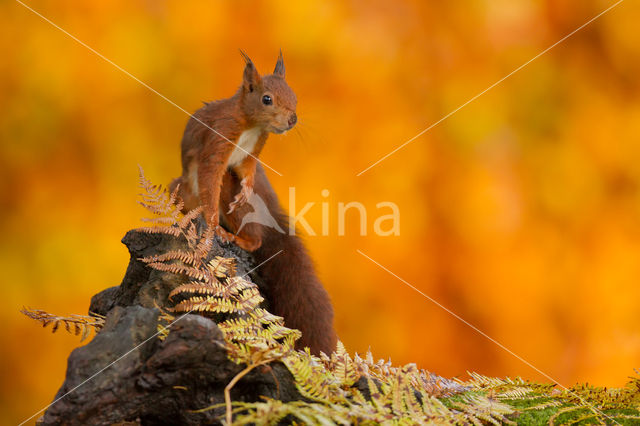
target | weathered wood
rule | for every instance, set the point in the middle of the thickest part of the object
(127, 374)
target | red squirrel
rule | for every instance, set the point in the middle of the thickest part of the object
(220, 171)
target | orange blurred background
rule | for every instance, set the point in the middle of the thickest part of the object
(520, 213)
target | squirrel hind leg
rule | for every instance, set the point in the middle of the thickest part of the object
(185, 193)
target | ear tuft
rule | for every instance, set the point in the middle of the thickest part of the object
(279, 70)
(250, 78)
(246, 58)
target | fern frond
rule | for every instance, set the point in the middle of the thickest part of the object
(479, 381)
(248, 300)
(343, 366)
(181, 255)
(191, 234)
(197, 287)
(189, 217)
(276, 331)
(223, 266)
(485, 409)
(312, 380)
(202, 243)
(159, 202)
(168, 230)
(377, 396)
(274, 412)
(243, 291)
(176, 268)
(244, 302)
(80, 325)
(265, 317)
(517, 392)
(159, 221)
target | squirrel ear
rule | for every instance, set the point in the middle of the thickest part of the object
(251, 78)
(279, 71)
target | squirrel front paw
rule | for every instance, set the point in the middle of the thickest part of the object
(214, 224)
(248, 244)
(243, 196)
(223, 234)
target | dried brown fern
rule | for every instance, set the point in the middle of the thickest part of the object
(189, 217)
(190, 261)
(176, 268)
(165, 206)
(222, 266)
(241, 303)
(80, 325)
(195, 287)
(181, 255)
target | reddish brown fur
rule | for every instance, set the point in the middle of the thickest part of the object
(295, 292)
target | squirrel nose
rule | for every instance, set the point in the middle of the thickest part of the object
(293, 119)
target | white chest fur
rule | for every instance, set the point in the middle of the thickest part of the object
(244, 145)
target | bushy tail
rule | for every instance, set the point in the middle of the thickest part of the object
(295, 292)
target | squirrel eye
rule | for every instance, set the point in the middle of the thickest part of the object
(266, 99)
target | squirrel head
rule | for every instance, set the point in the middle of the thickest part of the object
(267, 101)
